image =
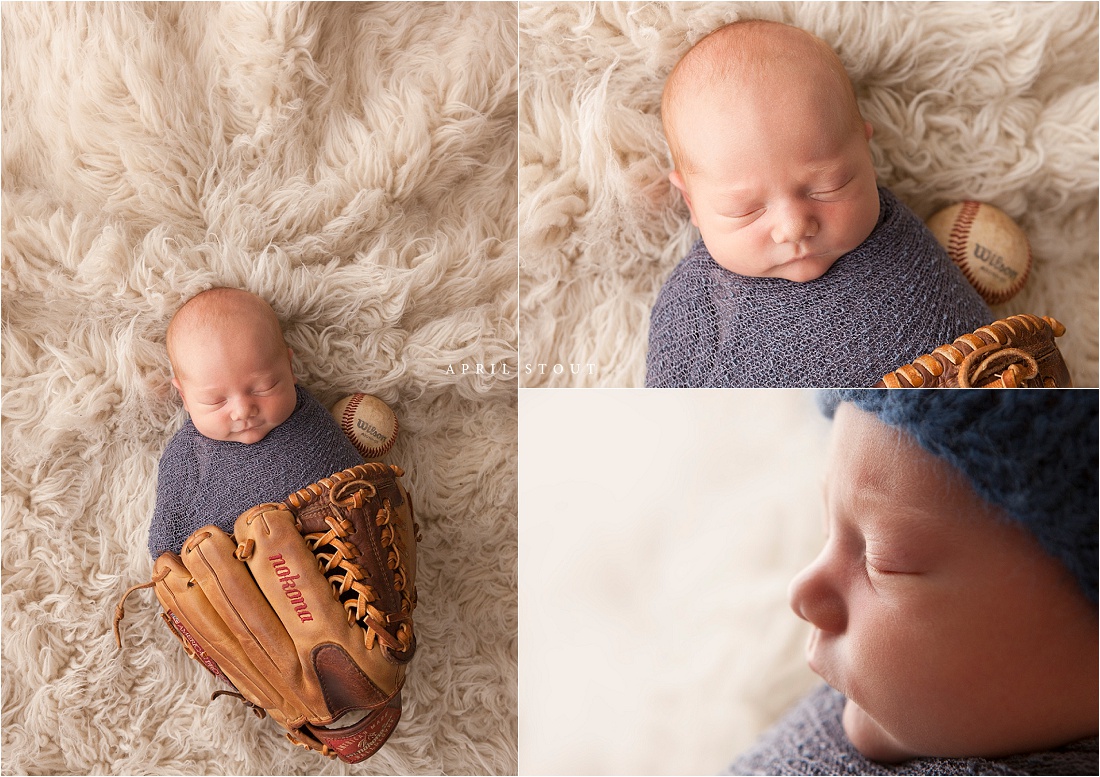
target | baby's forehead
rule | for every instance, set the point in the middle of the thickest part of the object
(883, 481)
(222, 315)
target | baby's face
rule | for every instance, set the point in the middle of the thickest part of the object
(237, 386)
(781, 184)
(949, 629)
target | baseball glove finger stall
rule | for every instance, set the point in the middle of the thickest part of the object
(1014, 352)
(306, 611)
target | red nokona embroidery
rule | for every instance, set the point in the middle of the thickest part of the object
(293, 593)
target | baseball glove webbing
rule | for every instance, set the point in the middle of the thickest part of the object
(1014, 352)
(306, 611)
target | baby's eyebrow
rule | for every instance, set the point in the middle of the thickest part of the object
(825, 164)
(874, 510)
(901, 530)
(735, 195)
(827, 168)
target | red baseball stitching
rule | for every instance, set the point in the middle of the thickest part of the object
(347, 423)
(960, 235)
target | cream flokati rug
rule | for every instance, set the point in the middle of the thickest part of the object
(354, 164)
(989, 101)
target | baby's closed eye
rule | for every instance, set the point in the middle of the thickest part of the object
(887, 561)
(831, 190)
(741, 216)
(880, 566)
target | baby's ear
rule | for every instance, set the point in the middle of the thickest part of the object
(678, 181)
(179, 390)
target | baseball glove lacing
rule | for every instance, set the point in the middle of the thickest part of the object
(334, 552)
(1013, 352)
(1012, 365)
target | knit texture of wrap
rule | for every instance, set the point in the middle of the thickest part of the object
(202, 481)
(893, 298)
(810, 739)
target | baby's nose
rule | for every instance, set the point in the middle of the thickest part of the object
(816, 597)
(793, 224)
(242, 408)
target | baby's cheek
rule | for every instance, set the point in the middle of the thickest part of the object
(911, 680)
(854, 224)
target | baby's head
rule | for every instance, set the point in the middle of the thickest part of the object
(770, 151)
(954, 603)
(231, 365)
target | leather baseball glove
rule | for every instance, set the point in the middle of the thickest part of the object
(1014, 352)
(306, 611)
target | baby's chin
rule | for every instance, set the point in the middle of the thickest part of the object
(871, 739)
(247, 437)
(252, 436)
(803, 270)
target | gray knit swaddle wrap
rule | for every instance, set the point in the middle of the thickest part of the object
(810, 739)
(895, 297)
(203, 481)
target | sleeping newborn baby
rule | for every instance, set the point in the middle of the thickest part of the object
(253, 434)
(954, 605)
(807, 273)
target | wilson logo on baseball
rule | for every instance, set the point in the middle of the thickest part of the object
(278, 563)
(369, 429)
(994, 260)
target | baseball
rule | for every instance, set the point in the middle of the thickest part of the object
(368, 422)
(988, 246)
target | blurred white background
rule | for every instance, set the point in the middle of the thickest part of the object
(658, 533)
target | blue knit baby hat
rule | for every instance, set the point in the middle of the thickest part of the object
(1032, 452)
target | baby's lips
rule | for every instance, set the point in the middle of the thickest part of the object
(817, 662)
